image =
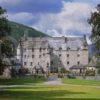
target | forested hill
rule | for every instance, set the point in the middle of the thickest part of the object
(18, 30)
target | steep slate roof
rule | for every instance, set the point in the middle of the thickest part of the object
(65, 43)
(78, 67)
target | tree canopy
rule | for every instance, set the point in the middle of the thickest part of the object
(4, 27)
(6, 46)
(94, 21)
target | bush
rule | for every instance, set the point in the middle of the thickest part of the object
(90, 73)
(23, 71)
(98, 70)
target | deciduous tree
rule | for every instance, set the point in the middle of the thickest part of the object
(94, 21)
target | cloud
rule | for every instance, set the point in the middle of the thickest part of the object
(70, 21)
(90, 2)
(35, 6)
(54, 17)
(23, 17)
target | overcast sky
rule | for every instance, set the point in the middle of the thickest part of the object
(54, 17)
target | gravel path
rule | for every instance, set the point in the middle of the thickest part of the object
(53, 82)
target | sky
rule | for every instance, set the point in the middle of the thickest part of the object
(53, 17)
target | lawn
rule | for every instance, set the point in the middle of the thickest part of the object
(21, 80)
(80, 82)
(50, 93)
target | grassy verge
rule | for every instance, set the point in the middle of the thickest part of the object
(80, 82)
(21, 80)
(50, 93)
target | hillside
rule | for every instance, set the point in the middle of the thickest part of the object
(18, 30)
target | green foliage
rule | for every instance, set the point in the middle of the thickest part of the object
(95, 23)
(23, 71)
(7, 48)
(21, 80)
(90, 73)
(4, 27)
(81, 81)
(18, 30)
(5, 45)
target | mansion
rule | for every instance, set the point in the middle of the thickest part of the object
(52, 53)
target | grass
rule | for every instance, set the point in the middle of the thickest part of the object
(21, 80)
(80, 82)
(50, 93)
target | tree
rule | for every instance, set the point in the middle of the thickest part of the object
(4, 26)
(6, 46)
(94, 21)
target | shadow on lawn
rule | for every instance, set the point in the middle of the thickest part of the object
(39, 95)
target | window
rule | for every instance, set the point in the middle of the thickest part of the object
(24, 56)
(78, 62)
(60, 48)
(78, 49)
(51, 48)
(44, 48)
(43, 54)
(47, 64)
(28, 56)
(78, 55)
(39, 56)
(25, 50)
(65, 40)
(32, 56)
(51, 62)
(40, 49)
(68, 48)
(25, 63)
(59, 55)
(31, 63)
(32, 49)
(67, 55)
(67, 62)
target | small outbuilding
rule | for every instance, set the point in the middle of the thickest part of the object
(78, 69)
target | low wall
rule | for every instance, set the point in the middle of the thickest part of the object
(89, 77)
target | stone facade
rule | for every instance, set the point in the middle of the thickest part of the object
(52, 53)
